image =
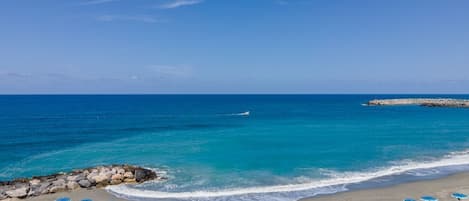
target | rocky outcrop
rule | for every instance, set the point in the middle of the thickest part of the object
(427, 102)
(96, 177)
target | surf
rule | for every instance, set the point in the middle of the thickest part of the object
(336, 180)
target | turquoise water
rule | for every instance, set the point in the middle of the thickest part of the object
(289, 147)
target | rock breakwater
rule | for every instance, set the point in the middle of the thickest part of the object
(88, 178)
(427, 102)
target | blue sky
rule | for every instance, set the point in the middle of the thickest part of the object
(242, 46)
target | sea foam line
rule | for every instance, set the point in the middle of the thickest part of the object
(453, 159)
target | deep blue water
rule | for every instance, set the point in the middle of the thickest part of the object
(203, 144)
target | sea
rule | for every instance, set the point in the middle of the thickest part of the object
(235, 147)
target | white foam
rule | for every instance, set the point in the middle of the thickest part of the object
(247, 113)
(342, 178)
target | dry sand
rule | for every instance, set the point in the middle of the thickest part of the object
(95, 195)
(439, 188)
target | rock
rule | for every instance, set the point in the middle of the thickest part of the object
(34, 182)
(73, 185)
(91, 176)
(44, 188)
(21, 185)
(3, 189)
(3, 196)
(59, 182)
(84, 183)
(18, 193)
(58, 186)
(80, 177)
(40, 189)
(117, 177)
(71, 178)
(56, 189)
(116, 181)
(144, 174)
(128, 175)
(101, 179)
(103, 169)
(120, 171)
(77, 177)
(61, 177)
(108, 174)
(139, 175)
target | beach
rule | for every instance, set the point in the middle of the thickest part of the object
(440, 188)
(94, 194)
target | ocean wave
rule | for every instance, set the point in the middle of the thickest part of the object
(336, 182)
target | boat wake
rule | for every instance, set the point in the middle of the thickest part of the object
(247, 113)
(337, 182)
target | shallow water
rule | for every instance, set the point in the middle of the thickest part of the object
(290, 146)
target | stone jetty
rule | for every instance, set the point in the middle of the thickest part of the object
(428, 102)
(89, 178)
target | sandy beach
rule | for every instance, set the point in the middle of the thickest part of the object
(95, 194)
(440, 188)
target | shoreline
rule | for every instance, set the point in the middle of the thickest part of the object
(440, 188)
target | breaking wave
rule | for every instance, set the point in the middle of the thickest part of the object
(336, 182)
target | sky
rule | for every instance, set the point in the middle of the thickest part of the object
(233, 46)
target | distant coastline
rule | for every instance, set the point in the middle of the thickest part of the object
(427, 102)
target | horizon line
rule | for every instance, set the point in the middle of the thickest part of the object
(143, 94)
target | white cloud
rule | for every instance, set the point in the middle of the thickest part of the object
(138, 18)
(179, 3)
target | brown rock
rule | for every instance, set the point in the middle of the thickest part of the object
(101, 179)
(117, 177)
(128, 175)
